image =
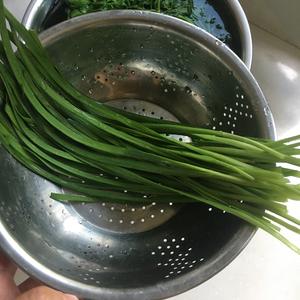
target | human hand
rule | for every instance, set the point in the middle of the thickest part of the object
(28, 290)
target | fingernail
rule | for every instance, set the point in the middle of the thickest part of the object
(71, 297)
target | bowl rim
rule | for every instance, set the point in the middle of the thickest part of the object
(234, 6)
(239, 240)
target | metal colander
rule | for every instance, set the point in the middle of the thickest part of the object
(152, 65)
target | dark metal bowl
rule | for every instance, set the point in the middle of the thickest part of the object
(42, 14)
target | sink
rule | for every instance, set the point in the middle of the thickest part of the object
(265, 269)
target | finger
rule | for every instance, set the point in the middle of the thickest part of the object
(8, 289)
(6, 265)
(29, 284)
(45, 293)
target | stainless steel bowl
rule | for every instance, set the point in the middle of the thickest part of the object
(154, 65)
(41, 14)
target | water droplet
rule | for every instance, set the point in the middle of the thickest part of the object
(195, 77)
(187, 90)
(266, 111)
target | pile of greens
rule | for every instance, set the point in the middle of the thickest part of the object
(103, 154)
(182, 9)
(200, 13)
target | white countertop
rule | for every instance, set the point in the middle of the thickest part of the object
(265, 270)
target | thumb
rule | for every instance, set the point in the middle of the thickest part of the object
(45, 293)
